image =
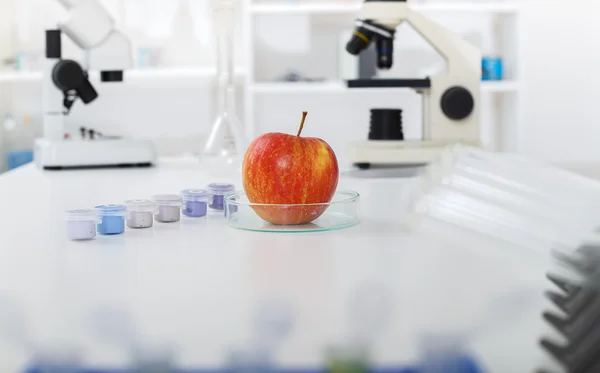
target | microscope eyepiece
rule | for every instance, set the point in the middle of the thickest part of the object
(365, 33)
(360, 40)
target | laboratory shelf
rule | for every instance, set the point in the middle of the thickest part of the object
(500, 86)
(19, 76)
(336, 87)
(351, 7)
(300, 87)
(147, 73)
(177, 72)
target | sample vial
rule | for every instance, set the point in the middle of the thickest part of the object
(167, 208)
(57, 359)
(139, 213)
(111, 219)
(195, 202)
(217, 194)
(81, 224)
(153, 359)
(252, 359)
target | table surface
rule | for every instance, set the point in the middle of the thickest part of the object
(201, 287)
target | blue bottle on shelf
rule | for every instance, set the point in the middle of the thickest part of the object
(492, 68)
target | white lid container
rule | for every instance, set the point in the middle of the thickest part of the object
(167, 200)
(139, 205)
(81, 215)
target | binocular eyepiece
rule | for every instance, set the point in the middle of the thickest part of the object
(368, 31)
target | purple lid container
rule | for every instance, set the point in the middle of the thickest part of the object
(221, 189)
(194, 195)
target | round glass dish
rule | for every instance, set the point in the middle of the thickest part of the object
(342, 212)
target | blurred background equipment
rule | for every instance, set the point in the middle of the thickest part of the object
(108, 51)
(576, 297)
(450, 98)
(501, 196)
(227, 141)
(158, 31)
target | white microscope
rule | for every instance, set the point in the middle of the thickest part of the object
(108, 51)
(451, 100)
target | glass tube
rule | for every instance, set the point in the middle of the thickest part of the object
(535, 206)
(507, 198)
(227, 142)
(522, 175)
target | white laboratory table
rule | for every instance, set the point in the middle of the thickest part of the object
(197, 285)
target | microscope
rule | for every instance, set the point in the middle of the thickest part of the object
(65, 81)
(451, 99)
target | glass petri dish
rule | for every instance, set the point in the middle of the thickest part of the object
(342, 212)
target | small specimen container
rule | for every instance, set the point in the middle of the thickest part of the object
(81, 224)
(167, 208)
(217, 193)
(139, 213)
(111, 219)
(195, 202)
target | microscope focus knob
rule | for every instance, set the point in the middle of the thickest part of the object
(457, 103)
(67, 75)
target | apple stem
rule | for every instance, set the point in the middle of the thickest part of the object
(304, 114)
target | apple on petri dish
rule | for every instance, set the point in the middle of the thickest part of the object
(289, 179)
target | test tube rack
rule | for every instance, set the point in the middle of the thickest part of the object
(579, 303)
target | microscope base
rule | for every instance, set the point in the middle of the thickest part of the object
(365, 154)
(101, 153)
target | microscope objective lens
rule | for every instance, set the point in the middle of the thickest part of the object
(385, 53)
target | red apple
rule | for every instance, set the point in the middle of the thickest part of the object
(284, 169)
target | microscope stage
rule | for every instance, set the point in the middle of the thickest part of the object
(396, 153)
(100, 153)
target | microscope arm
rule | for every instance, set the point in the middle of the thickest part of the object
(450, 46)
(92, 29)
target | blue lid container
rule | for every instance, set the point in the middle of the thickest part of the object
(112, 219)
(111, 210)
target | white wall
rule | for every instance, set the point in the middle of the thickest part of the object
(562, 122)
